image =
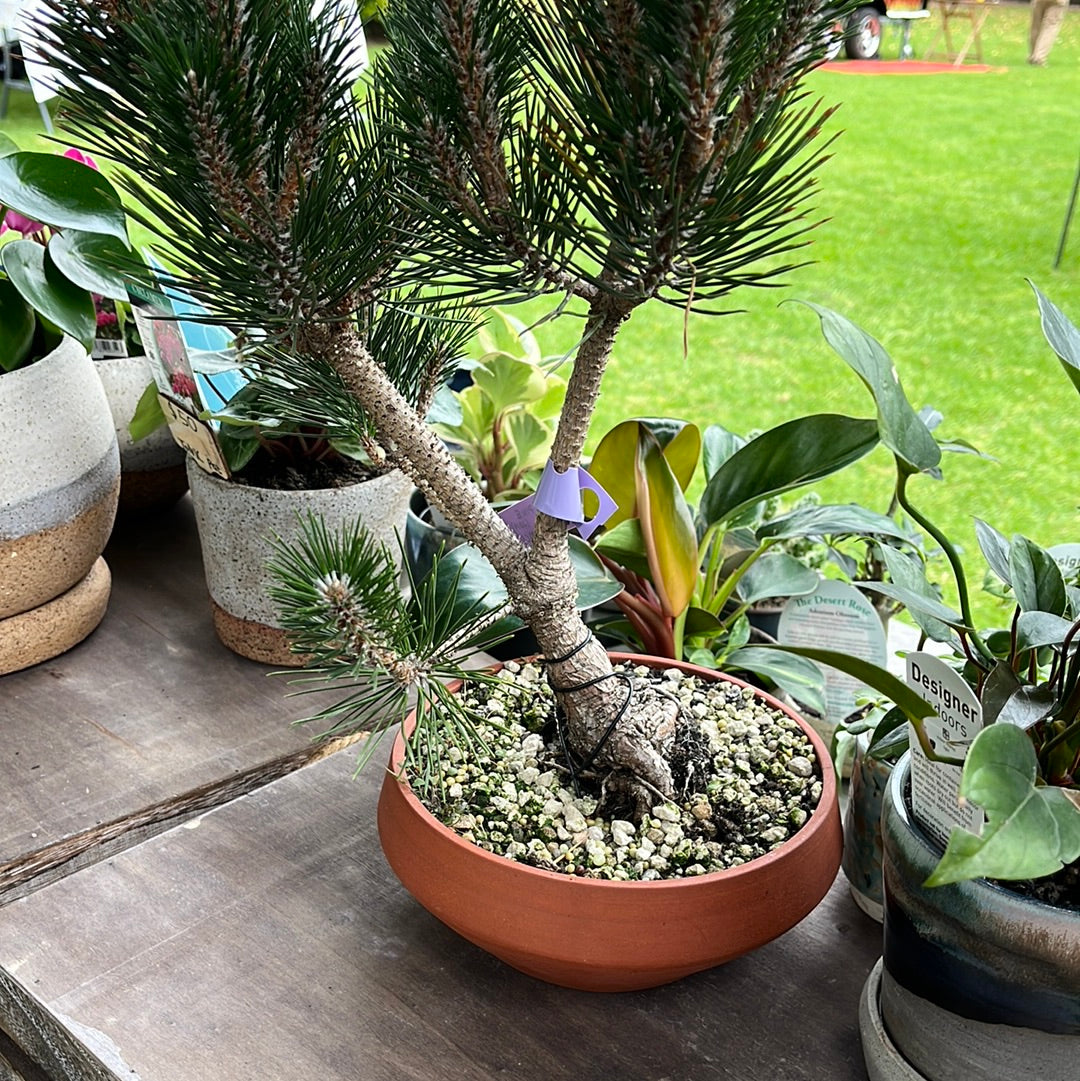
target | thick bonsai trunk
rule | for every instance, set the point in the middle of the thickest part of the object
(540, 580)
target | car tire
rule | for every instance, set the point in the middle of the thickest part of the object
(863, 41)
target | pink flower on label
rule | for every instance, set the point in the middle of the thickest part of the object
(78, 155)
(183, 385)
(15, 221)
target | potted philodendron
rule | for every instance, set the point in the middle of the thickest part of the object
(980, 975)
(607, 154)
(59, 474)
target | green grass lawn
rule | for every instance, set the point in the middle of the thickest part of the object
(943, 194)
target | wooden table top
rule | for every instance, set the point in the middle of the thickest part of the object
(224, 930)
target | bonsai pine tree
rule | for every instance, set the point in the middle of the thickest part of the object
(611, 153)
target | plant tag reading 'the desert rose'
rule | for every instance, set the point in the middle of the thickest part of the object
(935, 786)
(835, 616)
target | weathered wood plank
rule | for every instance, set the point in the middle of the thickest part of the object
(268, 940)
(149, 710)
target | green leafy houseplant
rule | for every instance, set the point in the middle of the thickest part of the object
(74, 239)
(611, 155)
(691, 574)
(1023, 767)
(502, 425)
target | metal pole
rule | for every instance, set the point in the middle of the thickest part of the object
(1068, 218)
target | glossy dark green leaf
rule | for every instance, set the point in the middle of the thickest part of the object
(61, 192)
(700, 621)
(718, 444)
(833, 520)
(776, 574)
(47, 291)
(918, 605)
(1063, 336)
(995, 549)
(17, 323)
(1036, 577)
(479, 580)
(877, 679)
(797, 676)
(902, 431)
(90, 259)
(785, 457)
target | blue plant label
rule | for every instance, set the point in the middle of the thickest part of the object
(935, 786)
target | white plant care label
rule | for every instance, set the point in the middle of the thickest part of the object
(835, 616)
(935, 786)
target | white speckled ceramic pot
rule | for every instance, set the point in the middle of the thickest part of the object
(59, 482)
(152, 474)
(236, 523)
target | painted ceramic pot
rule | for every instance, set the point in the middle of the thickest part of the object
(59, 479)
(152, 473)
(597, 935)
(862, 828)
(976, 982)
(237, 524)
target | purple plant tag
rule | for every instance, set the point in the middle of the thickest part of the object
(559, 496)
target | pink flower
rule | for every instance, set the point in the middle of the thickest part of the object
(183, 385)
(78, 155)
(15, 221)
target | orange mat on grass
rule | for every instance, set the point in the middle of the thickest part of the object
(905, 67)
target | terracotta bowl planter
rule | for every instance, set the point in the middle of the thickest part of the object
(152, 473)
(977, 982)
(236, 524)
(60, 477)
(598, 935)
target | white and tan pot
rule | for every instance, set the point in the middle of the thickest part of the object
(237, 523)
(152, 473)
(59, 483)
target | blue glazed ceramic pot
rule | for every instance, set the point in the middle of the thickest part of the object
(977, 982)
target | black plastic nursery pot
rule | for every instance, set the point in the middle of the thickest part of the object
(976, 982)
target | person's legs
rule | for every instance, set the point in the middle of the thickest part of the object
(1050, 15)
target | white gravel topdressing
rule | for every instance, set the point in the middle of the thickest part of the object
(517, 799)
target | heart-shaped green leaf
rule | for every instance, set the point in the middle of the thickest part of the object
(17, 323)
(785, 457)
(61, 192)
(1031, 830)
(91, 260)
(48, 292)
(902, 431)
(1036, 577)
(509, 382)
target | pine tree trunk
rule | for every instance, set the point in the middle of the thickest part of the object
(539, 581)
